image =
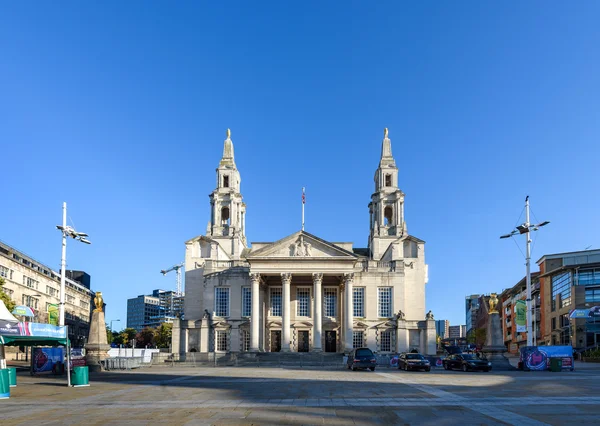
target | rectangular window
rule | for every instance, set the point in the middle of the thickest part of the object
(592, 295)
(30, 282)
(388, 180)
(245, 340)
(358, 298)
(222, 341)
(51, 291)
(246, 301)
(358, 339)
(561, 290)
(225, 181)
(5, 272)
(330, 301)
(303, 302)
(276, 301)
(385, 302)
(222, 301)
(84, 304)
(386, 341)
(30, 301)
(553, 323)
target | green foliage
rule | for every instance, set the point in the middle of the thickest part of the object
(109, 335)
(144, 338)
(477, 336)
(117, 338)
(162, 335)
(10, 305)
(128, 335)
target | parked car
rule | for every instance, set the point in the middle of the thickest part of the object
(413, 362)
(466, 362)
(361, 358)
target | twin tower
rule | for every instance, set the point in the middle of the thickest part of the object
(228, 211)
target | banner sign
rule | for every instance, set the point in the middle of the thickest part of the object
(593, 312)
(53, 314)
(33, 329)
(44, 359)
(537, 358)
(9, 328)
(521, 316)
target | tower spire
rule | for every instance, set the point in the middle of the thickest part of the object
(386, 150)
(228, 158)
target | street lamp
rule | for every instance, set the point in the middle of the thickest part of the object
(526, 228)
(67, 231)
(111, 327)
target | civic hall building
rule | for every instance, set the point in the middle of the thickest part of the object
(303, 293)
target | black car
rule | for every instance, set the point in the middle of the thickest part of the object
(361, 358)
(413, 362)
(466, 362)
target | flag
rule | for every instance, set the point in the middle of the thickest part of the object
(303, 197)
(53, 314)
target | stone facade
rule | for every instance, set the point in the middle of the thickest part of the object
(302, 293)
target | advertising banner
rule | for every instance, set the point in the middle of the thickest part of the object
(537, 358)
(9, 328)
(585, 313)
(53, 314)
(44, 359)
(521, 316)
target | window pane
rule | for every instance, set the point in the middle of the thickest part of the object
(222, 302)
(330, 301)
(358, 297)
(357, 339)
(222, 341)
(386, 341)
(246, 301)
(276, 302)
(385, 302)
(303, 302)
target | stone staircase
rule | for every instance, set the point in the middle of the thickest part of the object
(256, 359)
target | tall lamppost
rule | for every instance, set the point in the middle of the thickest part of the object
(111, 321)
(526, 228)
(67, 231)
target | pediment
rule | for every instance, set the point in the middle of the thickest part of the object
(301, 245)
(359, 324)
(386, 324)
(298, 324)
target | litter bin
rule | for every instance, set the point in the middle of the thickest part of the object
(4, 384)
(12, 377)
(555, 364)
(80, 376)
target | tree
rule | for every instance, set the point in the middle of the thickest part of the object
(117, 338)
(478, 336)
(162, 335)
(109, 335)
(10, 305)
(128, 335)
(145, 338)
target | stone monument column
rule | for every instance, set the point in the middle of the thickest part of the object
(286, 280)
(97, 347)
(318, 312)
(349, 312)
(255, 315)
(494, 343)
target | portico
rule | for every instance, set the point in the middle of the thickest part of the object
(299, 307)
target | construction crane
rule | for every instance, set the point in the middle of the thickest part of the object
(177, 269)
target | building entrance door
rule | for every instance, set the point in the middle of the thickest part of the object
(330, 341)
(303, 341)
(275, 340)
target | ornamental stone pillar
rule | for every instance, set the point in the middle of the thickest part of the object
(317, 312)
(286, 280)
(348, 311)
(254, 315)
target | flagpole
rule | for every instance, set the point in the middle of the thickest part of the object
(303, 200)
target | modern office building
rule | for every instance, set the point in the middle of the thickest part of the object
(172, 303)
(456, 331)
(471, 307)
(442, 328)
(570, 281)
(144, 311)
(31, 283)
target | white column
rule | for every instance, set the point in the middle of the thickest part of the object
(286, 280)
(63, 265)
(317, 312)
(255, 316)
(348, 311)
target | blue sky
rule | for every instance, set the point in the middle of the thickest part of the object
(120, 109)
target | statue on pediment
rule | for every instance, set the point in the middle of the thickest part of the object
(307, 249)
(298, 248)
(400, 315)
(429, 315)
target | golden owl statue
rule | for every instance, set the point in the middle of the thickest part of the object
(98, 301)
(493, 303)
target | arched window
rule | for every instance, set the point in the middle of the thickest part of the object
(388, 214)
(225, 220)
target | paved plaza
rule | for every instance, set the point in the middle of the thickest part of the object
(277, 396)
